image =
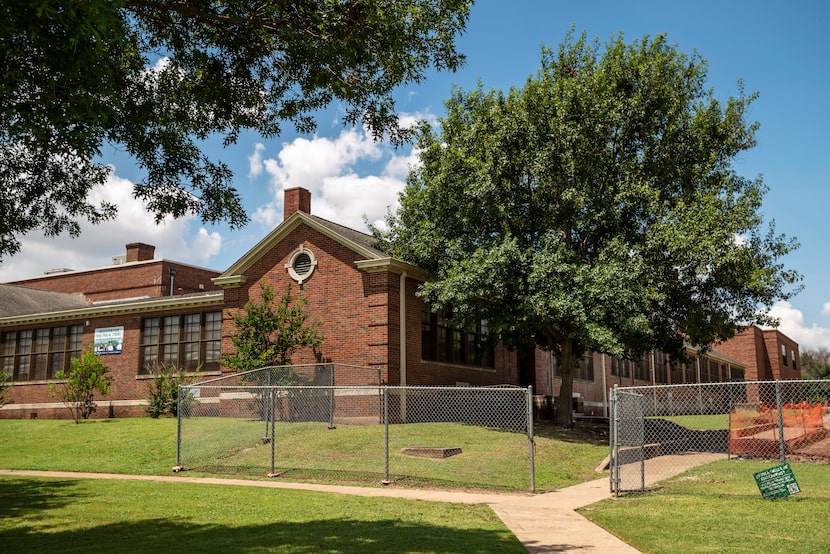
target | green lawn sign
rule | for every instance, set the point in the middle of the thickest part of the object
(777, 482)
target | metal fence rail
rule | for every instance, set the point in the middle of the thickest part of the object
(389, 432)
(760, 419)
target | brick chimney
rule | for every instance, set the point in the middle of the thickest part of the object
(139, 252)
(297, 199)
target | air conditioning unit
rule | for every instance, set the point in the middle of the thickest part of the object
(119, 260)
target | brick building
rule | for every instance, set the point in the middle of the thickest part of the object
(142, 313)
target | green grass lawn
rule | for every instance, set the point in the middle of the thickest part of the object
(700, 422)
(349, 454)
(90, 516)
(718, 508)
(713, 508)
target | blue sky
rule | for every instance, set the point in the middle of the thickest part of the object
(778, 49)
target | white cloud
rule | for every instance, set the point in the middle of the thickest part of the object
(205, 245)
(255, 161)
(173, 238)
(343, 175)
(792, 324)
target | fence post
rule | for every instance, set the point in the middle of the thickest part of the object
(613, 478)
(267, 404)
(179, 429)
(385, 392)
(781, 446)
(273, 447)
(331, 398)
(531, 442)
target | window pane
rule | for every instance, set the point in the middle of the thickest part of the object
(191, 355)
(39, 367)
(76, 333)
(58, 339)
(150, 333)
(41, 342)
(8, 343)
(57, 364)
(170, 355)
(211, 355)
(192, 327)
(170, 329)
(213, 325)
(150, 356)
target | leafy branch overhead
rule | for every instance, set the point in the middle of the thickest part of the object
(153, 78)
(596, 208)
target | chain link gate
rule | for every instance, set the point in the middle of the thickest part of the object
(664, 429)
(627, 442)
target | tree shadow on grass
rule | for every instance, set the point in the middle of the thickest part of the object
(26, 525)
(25, 498)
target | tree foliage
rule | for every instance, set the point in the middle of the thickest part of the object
(87, 376)
(153, 78)
(594, 209)
(815, 363)
(269, 334)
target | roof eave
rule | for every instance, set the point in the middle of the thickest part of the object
(164, 303)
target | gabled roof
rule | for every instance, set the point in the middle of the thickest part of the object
(362, 244)
(16, 300)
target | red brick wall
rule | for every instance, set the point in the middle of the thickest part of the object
(774, 341)
(761, 352)
(127, 281)
(352, 306)
(129, 389)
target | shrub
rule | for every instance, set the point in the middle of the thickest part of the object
(163, 396)
(86, 376)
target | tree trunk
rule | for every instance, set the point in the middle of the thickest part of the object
(564, 411)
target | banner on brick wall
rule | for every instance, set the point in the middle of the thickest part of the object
(109, 340)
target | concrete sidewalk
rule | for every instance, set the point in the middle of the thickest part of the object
(543, 522)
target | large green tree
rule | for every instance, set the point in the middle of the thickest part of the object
(154, 78)
(594, 209)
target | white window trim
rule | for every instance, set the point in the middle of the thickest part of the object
(290, 265)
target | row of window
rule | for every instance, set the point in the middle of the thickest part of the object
(441, 342)
(784, 357)
(711, 371)
(191, 342)
(39, 354)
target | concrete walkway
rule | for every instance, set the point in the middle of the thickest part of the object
(543, 522)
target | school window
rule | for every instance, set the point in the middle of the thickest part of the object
(784, 354)
(660, 370)
(642, 369)
(619, 368)
(704, 369)
(39, 354)
(792, 352)
(585, 368)
(442, 342)
(676, 373)
(690, 371)
(714, 371)
(190, 342)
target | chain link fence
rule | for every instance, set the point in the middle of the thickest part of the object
(787, 420)
(294, 422)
